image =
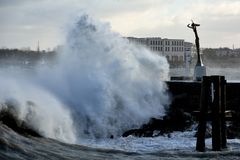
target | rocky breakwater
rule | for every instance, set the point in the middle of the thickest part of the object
(179, 117)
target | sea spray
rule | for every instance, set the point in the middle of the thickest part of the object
(37, 108)
(107, 84)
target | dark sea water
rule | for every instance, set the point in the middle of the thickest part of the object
(16, 146)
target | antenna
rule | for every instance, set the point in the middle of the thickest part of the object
(38, 47)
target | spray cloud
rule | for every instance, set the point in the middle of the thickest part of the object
(102, 85)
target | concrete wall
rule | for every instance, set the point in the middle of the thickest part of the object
(186, 95)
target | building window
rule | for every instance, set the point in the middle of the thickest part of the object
(181, 58)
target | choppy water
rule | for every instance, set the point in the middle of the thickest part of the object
(181, 145)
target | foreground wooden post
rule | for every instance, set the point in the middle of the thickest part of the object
(213, 95)
(200, 146)
(216, 111)
(223, 110)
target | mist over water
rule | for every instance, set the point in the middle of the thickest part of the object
(101, 86)
(232, 74)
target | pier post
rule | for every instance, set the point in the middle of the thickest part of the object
(223, 109)
(216, 114)
(204, 102)
(213, 96)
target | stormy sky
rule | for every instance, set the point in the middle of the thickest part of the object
(24, 22)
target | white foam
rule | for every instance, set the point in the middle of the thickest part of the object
(100, 86)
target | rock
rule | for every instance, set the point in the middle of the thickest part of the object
(175, 120)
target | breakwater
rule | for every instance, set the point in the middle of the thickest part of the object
(185, 99)
(186, 95)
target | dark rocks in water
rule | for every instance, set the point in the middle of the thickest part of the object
(7, 118)
(175, 120)
(233, 132)
(233, 129)
(134, 132)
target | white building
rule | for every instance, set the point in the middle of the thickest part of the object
(175, 50)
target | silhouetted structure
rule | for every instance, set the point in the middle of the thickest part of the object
(213, 98)
(199, 70)
(38, 48)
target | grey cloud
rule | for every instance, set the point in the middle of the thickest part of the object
(42, 16)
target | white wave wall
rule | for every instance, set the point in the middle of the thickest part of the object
(102, 84)
(38, 108)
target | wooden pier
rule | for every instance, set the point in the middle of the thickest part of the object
(213, 108)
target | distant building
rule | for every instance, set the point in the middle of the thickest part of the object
(177, 51)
